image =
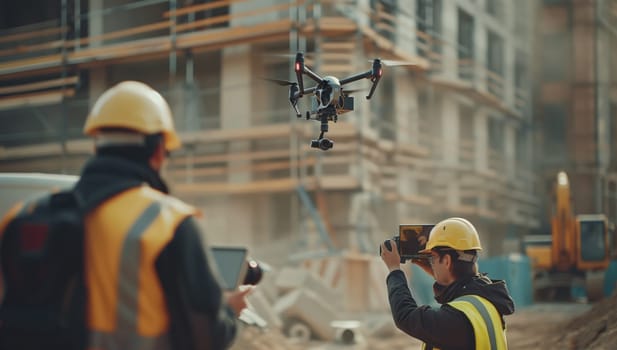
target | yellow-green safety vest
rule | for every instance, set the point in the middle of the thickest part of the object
(485, 320)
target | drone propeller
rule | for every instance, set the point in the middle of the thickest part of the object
(393, 63)
(351, 91)
(281, 82)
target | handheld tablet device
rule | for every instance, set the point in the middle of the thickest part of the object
(232, 265)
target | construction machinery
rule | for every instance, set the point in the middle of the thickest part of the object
(575, 255)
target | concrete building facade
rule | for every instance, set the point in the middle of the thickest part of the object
(448, 134)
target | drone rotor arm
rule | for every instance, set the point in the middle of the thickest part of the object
(375, 82)
(376, 74)
(310, 90)
(312, 75)
(356, 77)
(294, 95)
(299, 69)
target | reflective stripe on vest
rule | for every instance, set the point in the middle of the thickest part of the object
(124, 236)
(485, 320)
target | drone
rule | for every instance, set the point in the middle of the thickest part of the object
(330, 98)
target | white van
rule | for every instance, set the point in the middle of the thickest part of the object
(17, 187)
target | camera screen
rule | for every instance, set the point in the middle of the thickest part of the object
(231, 263)
(413, 238)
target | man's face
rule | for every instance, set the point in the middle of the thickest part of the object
(441, 269)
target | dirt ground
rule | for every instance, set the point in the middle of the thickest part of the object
(547, 325)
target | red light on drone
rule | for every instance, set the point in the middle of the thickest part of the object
(297, 66)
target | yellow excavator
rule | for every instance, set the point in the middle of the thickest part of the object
(576, 254)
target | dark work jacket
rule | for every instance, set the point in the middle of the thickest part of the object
(199, 318)
(444, 327)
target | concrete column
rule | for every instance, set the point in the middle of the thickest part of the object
(236, 113)
(480, 49)
(450, 130)
(406, 25)
(405, 109)
(98, 77)
(449, 31)
(508, 74)
(510, 150)
(481, 140)
(236, 88)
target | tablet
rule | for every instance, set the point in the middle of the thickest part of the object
(232, 265)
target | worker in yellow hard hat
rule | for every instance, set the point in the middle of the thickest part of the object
(472, 305)
(149, 284)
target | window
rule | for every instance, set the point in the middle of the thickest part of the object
(466, 135)
(554, 132)
(495, 8)
(520, 70)
(384, 25)
(495, 53)
(496, 134)
(612, 125)
(27, 12)
(465, 35)
(522, 139)
(522, 18)
(428, 14)
(555, 57)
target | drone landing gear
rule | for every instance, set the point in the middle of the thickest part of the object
(322, 143)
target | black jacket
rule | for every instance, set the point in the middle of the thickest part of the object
(198, 315)
(444, 327)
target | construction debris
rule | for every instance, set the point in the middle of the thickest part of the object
(595, 329)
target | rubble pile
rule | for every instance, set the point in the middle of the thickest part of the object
(594, 329)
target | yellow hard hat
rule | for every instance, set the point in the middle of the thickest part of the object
(134, 106)
(455, 233)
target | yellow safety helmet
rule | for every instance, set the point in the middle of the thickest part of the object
(455, 233)
(134, 106)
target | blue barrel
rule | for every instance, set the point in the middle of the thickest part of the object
(515, 269)
(610, 278)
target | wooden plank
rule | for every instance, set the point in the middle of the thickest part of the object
(35, 99)
(46, 150)
(226, 157)
(233, 35)
(346, 46)
(39, 85)
(125, 32)
(123, 50)
(201, 7)
(224, 135)
(423, 35)
(226, 18)
(32, 34)
(327, 27)
(21, 49)
(149, 46)
(30, 64)
(18, 75)
(271, 38)
(253, 168)
(253, 187)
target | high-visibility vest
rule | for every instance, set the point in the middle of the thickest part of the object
(485, 320)
(123, 238)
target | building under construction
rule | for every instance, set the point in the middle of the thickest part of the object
(576, 103)
(450, 134)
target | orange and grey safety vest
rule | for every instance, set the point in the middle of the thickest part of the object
(485, 321)
(124, 236)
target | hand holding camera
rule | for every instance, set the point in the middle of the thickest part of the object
(407, 246)
(389, 254)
